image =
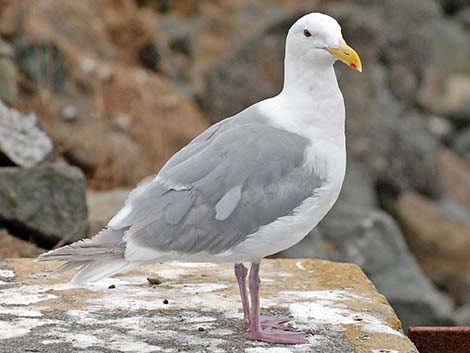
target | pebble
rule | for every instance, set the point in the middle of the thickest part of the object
(154, 280)
(69, 113)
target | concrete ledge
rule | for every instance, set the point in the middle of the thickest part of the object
(196, 308)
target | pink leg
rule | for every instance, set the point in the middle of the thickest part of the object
(270, 334)
(240, 273)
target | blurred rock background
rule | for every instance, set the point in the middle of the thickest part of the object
(96, 95)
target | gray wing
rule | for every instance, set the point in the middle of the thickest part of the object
(227, 183)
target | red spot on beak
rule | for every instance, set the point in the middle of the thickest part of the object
(353, 66)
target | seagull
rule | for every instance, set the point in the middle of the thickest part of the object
(248, 187)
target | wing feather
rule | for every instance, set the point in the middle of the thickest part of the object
(230, 181)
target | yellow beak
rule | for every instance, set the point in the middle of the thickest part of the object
(347, 55)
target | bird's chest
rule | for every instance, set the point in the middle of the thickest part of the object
(327, 160)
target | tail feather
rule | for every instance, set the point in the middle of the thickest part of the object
(68, 266)
(96, 270)
(99, 257)
(107, 243)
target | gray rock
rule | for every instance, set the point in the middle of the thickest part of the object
(8, 87)
(448, 46)
(463, 315)
(46, 203)
(358, 187)
(447, 95)
(454, 210)
(451, 7)
(371, 239)
(463, 16)
(412, 161)
(407, 54)
(256, 72)
(461, 143)
(5, 50)
(103, 205)
(21, 140)
(43, 63)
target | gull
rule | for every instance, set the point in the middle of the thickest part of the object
(248, 187)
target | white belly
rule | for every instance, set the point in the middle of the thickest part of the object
(286, 231)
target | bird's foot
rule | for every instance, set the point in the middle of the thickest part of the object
(270, 322)
(273, 335)
(274, 323)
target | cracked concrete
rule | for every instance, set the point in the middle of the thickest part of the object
(196, 308)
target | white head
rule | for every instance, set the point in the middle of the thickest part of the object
(316, 39)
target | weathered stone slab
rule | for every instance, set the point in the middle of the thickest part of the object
(196, 308)
(372, 239)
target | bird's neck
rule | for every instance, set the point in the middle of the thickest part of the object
(317, 80)
(313, 99)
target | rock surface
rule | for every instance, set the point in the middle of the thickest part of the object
(440, 244)
(455, 177)
(195, 309)
(128, 121)
(21, 140)
(46, 202)
(371, 239)
(8, 88)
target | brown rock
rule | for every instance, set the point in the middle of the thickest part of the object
(441, 244)
(128, 121)
(444, 94)
(113, 29)
(455, 176)
(11, 246)
(8, 88)
(103, 205)
(128, 124)
(161, 119)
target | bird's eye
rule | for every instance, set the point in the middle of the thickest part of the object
(307, 33)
